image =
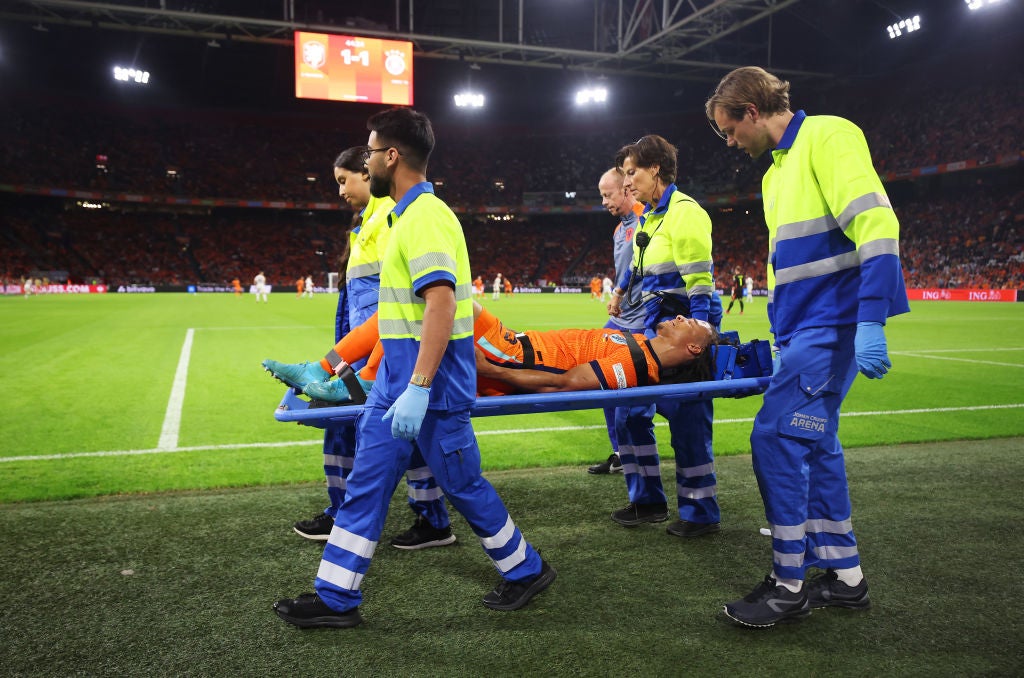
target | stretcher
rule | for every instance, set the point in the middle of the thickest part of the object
(740, 371)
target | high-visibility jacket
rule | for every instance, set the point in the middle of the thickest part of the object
(426, 246)
(833, 235)
(677, 259)
(366, 249)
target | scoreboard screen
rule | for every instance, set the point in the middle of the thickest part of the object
(350, 68)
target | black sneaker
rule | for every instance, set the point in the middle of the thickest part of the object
(686, 529)
(635, 514)
(768, 604)
(826, 590)
(612, 465)
(308, 611)
(512, 595)
(317, 529)
(423, 535)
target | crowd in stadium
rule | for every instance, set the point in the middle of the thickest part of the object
(962, 238)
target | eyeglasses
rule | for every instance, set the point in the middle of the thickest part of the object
(724, 134)
(719, 133)
(367, 152)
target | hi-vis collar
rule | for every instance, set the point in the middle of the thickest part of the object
(407, 199)
(662, 206)
(786, 142)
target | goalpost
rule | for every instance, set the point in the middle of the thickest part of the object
(332, 282)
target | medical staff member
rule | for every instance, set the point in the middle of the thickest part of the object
(424, 389)
(357, 302)
(630, 312)
(672, 267)
(834, 277)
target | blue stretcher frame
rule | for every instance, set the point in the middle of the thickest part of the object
(294, 409)
(743, 371)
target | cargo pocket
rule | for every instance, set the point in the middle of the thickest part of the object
(808, 416)
(461, 460)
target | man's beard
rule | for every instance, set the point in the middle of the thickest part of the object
(380, 187)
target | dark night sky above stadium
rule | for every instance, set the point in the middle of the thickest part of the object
(845, 37)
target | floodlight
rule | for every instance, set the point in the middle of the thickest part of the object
(904, 26)
(469, 100)
(591, 95)
(139, 77)
(978, 4)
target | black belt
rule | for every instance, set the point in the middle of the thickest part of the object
(529, 358)
(355, 389)
(638, 357)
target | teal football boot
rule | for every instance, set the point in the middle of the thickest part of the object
(297, 375)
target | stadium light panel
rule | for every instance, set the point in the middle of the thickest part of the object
(469, 100)
(139, 77)
(904, 26)
(978, 4)
(591, 95)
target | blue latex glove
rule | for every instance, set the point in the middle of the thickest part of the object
(872, 355)
(408, 412)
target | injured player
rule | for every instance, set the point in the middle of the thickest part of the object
(532, 361)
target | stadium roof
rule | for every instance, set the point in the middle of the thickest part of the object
(675, 47)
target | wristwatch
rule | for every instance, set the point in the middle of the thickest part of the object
(420, 380)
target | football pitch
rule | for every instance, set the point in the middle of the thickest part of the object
(161, 401)
(122, 394)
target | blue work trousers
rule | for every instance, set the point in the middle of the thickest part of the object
(797, 457)
(450, 450)
(425, 497)
(690, 427)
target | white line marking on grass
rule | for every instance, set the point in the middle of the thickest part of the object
(157, 450)
(172, 419)
(268, 327)
(514, 431)
(960, 350)
(915, 354)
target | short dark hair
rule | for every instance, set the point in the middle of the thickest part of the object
(352, 159)
(701, 368)
(407, 130)
(648, 151)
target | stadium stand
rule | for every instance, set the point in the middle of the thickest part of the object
(960, 229)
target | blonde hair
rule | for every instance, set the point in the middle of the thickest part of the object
(745, 86)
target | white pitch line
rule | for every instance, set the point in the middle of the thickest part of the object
(959, 360)
(972, 349)
(515, 431)
(258, 327)
(172, 419)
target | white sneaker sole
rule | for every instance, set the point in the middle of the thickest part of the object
(311, 537)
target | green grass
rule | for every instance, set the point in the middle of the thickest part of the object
(182, 583)
(177, 575)
(88, 375)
